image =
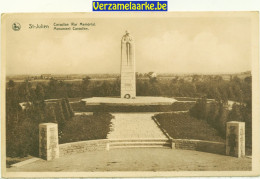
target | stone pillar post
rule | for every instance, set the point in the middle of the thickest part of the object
(48, 141)
(235, 139)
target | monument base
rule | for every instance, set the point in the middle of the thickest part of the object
(138, 101)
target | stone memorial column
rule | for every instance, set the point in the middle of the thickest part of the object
(235, 139)
(128, 81)
(48, 141)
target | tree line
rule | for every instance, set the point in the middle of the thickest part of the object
(213, 87)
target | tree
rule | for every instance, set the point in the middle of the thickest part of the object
(71, 113)
(200, 109)
(52, 88)
(217, 95)
(222, 119)
(85, 87)
(235, 113)
(195, 78)
(39, 92)
(116, 87)
(50, 114)
(60, 115)
(10, 84)
(65, 109)
(213, 113)
(24, 91)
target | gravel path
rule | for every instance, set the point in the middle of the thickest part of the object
(139, 159)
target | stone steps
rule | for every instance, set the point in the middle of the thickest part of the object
(141, 146)
(139, 143)
(139, 140)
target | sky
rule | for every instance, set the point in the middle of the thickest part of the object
(170, 44)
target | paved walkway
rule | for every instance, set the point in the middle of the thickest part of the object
(134, 126)
(154, 159)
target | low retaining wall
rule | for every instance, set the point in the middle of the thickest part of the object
(82, 146)
(103, 144)
(186, 144)
(200, 145)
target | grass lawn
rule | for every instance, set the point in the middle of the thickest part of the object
(86, 127)
(183, 126)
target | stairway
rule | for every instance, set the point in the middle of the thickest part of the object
(139, 143)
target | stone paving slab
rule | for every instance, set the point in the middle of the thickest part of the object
(134, 126)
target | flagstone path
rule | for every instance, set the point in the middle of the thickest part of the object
(134, 126)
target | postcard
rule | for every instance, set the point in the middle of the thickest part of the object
(130, 94)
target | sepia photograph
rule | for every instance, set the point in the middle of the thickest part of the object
(130, 95)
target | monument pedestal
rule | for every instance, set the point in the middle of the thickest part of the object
(48, 141)
(235, 139)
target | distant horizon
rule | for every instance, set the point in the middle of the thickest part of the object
(213, 73)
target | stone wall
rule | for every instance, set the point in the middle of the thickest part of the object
(200, 145)
(82, 146)
(103, 144)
